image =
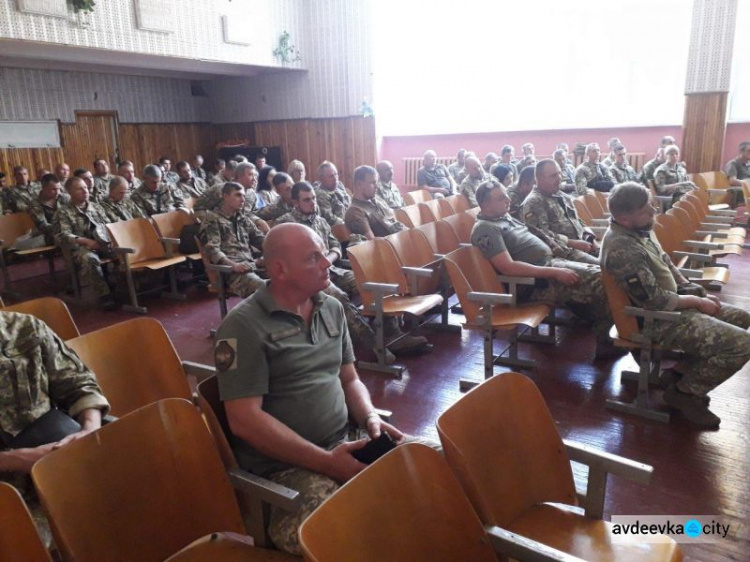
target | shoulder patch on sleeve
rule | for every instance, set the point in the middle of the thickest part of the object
(636, 288)
(225, 354)
(483, 242)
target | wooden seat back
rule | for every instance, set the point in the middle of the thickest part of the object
(12, 226)
(138, 234)
(405, 506)
(417, 196)
(462, 224)
(376, 261)
(52, 311)
(716, 180)
(441, 237)
(603, 201)
(413, 250)
(688, 204)
(341, 232)
(617, 298)
(19, 539)
(409, 215)
(666, 233)
(212, 408)
(583, 211)
(686, 220)
(501, 442)
(141, 488)
(700, 181)
(430, 211)
(458, 203)
(134, 362)
(169, 225)
(470, 271)
(594, 206)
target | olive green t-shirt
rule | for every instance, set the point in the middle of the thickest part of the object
(264, 350)
(494, 236)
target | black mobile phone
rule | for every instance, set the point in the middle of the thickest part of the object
(374, 449)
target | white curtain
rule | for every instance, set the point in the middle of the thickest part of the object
(739, 94)
(444, 66)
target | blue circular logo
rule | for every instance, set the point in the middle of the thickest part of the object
(693, 528)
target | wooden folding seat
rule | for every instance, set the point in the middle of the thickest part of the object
(170, 225)
(19, 539)
(141, 488)
(690, 264)
(12, 227)
(458, 203)
(489, 307)
(719, 223)
(502, 444)
(258, 494)
(706, 193)
(462, 224)
(140, 247)
(52, 311)
(424, 518)
(715, 240)
(431, 211)
(410, 215)
(596, 208)
(626, 333)
(385, 293)
(424, 271)
(341, 232)
(665, 201)
(417, 196)
(136, 364)
(716, 185)
(441, 237)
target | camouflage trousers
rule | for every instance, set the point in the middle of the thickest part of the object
(244, 284)
(572, 254)
(89, 267)
(341, 287)
(715, 347)
(314, 488)
(586, 299)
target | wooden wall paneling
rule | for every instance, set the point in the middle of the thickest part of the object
(704, 128)
(316, 134)
(92, 136)
(346, 153)
(298, 144)
(228, 131)
(32, 158)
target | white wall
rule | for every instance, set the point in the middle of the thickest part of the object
(27, 94)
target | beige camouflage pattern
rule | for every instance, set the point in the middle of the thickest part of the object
(469, 188)
(390, 193)
(669, 175)
(123, 210)
(648, 170)
(555, 215)
(516, 201)
(588, 172)
(100, 190)
(43, 214)
(20, 197)
(275, 211)
(333, 204)
(623, 173)
(165, 199)
(194, 187)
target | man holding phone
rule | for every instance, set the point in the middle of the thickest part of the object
(286, 375)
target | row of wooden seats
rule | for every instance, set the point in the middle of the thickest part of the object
(427, 210)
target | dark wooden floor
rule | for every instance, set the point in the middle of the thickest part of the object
(696, 472)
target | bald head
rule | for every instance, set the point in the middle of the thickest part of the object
(282, 241)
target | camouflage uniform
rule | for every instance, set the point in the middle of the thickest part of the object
(44, 213)
(585, 299)
(200, 173)
(648, 170)
(267, 197)
(715, 347)
(101, 187)
(21, 197)
(588, 172)
(228, 238)
(37, 371)
(133, 185)
(194, 187)
(469, 187)
(163, 200)
(516, 200)
(374, 212)
(668, 175)
(123, 210)
(332, 204)
(209, 201)
(735, 169)
(556, 216)
(172, 177)
(71, 222)
(456, 171)
(390, 193)
(623, 173)
(273, 212)
(343, 285)
(568, 178)
(217, 180)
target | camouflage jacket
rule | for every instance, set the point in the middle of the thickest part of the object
(101, 187)
(317, 223)
(668, 175)
(20, 197)
(516, 201)
(588, 172)
(275, 211)
(194, 187)
(121, 210)
(38, 371)
(555, 215)
(163, 200)
(333, 204)
(71, 222)
(229, 238)
(469, 187)
(735, 169)
(648, 170)
(390, 193)
(623, 173)
(44, 213)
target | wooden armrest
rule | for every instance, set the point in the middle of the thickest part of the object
(600, 222)
(693, 256)
(711, 233)
(691, 272)
(663, 198)
(653, 314)
(417, 271)
(200, 371)
(438, 256)
(383, 288)
(264, 490)
(121, 250)
(465, 245)
(717, 191)
(715, 213)
(167, 240)
(723, 219)
(517, 547)
(612, 464)
(701, 245)
(598, 230)
(516, 280)
(490, 298)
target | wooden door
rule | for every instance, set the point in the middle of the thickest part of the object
(92, 136)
